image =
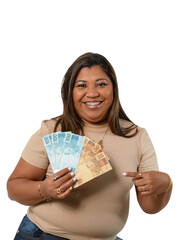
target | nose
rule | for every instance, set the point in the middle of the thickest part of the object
(92, 93)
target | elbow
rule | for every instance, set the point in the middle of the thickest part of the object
(11, 189)
(151, 211)
(14, 194)
(9, 192)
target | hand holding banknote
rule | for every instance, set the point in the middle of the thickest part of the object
(85, 157)
(60, 185)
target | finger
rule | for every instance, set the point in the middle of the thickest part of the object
(132, 174)
(139, 182)
(63, 179)
(142, 188)
(61, 173)
(68, 184)
(147, 193)
(65, 194)
(63, 190)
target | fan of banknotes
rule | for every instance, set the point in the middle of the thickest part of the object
(85, 157)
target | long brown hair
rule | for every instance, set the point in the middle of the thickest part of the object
(70, 120)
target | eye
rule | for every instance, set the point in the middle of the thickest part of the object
(102, 84)
(81, 85)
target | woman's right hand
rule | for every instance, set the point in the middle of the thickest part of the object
(23, 184)
(58, 186)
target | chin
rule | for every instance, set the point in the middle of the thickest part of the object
(95, 121)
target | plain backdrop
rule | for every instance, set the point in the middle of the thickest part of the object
(40, 39)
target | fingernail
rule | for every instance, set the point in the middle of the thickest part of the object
(74, 179)
(70, 188)
(124, 174)
(72, 174)
(69, 168)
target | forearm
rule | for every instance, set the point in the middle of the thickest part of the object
(26, 184)
(154, 204)
(24, 191)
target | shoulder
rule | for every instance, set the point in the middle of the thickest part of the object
(124, 123)
(127, 124)
(47, 126)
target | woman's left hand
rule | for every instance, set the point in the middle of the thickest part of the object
(149, 183)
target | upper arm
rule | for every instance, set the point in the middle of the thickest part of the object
(148, 158)
(25, 170)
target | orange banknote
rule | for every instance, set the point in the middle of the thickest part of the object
(93, 162)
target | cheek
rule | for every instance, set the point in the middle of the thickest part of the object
(77, 96)
(109, 96)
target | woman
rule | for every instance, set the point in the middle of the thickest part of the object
(99, 208)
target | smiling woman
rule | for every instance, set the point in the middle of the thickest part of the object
(98, 209)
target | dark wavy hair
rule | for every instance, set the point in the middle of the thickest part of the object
(70, 120)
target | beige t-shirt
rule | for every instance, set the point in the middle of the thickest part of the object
(99, 208)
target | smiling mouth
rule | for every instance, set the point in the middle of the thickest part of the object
(93, 104)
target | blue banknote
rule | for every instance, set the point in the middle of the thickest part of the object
(71, 152)
(47, 140)
(63, 149)
(58, 140)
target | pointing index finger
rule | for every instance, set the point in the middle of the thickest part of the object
(133, 174)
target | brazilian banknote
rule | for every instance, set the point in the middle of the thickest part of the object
(63, 150)
(84, 156)
(93, 162)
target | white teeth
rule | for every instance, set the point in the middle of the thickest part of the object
(93, 103)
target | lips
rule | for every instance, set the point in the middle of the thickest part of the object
(93, 104)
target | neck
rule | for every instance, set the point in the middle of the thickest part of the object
(100, 132)
(101, 123)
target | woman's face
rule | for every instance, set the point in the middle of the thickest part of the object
(93, 95)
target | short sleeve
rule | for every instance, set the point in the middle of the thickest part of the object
(34, 151)
(148, 158)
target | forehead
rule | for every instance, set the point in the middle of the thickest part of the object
(93, 73)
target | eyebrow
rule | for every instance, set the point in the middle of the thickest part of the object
(97, 80)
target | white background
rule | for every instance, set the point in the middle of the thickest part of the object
(39, 41)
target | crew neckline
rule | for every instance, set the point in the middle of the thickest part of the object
(95, 128)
